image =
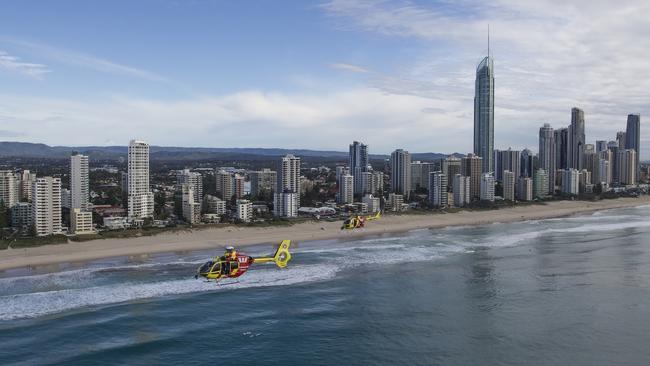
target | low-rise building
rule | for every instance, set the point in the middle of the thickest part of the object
(81, 222)
(244, 210)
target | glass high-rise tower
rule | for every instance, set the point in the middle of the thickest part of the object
(484, 113)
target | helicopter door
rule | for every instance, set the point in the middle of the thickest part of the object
(216, 269)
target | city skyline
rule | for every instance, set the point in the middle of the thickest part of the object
(363, 79)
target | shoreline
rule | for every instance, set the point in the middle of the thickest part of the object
(217, 238)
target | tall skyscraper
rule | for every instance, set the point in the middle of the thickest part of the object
(9, 189)
(289, 174)
(601, 145)
(484, 113)
(79, 182)
(547, 150)
(46, 206)
(633, 138)
(140, 197)
(287, 196)
(561, 148)
(438, 189)
(576, 139)
(358, 163)
(507, 160)
(400, 162)
(526, 165)
(621, 139)
(471, 166)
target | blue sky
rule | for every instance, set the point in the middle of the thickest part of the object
(297, 74)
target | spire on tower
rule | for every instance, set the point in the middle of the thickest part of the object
(488, 40)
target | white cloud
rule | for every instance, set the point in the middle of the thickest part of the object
(249, 118)
(550, 55)
(84, 60)
(14, 64)
(348, 67)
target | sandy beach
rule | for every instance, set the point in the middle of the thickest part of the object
(217, 238)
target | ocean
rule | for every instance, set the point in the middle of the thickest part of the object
(566, 291)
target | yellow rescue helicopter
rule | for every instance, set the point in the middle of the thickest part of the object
(357, 221)
(233, 264)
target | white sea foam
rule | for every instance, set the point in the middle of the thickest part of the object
(43, 303)
(80, 287)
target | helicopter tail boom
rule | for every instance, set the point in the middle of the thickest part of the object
(281, 257)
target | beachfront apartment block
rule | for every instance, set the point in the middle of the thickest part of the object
(540, 184)
(244, 210)
(471, 167)
(400, 163)
(438, 189)
(191, 208)
(140, 197)
(525, 189)
(346, 189)
(373, 204)
(508, 185)
(285, 204)
(46, 206)
(79, 181)
(570, 181)
(81, 222)
(462, 190)
(487, 187)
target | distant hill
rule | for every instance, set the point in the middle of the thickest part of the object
(31, 150)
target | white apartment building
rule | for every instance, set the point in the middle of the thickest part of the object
(214, 205)
(79, 182)
(140, 197)
(373, 204)
(244, 210)
(346, 189)
(191, 208)
(285, 204)
(487, 187)
(81, 222)
(438, 189)
(9, 188)
(46, 206)
(224, 185)
(570, 181)
(195, 180)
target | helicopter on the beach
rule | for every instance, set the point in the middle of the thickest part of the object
(357, 221)
(233, 264)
